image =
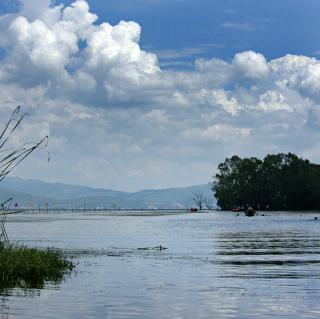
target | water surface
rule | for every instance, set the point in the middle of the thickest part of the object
(217, 265)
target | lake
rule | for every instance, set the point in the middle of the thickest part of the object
(217, 265)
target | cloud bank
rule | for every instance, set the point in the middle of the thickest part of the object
(117, 119)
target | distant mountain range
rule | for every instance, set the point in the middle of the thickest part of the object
(35, 193)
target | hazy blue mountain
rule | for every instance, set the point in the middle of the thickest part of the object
(33, 193)
(56, 190)
(21, 198)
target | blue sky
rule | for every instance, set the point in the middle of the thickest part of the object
(273, 27)
(218, 28)
(161, 100)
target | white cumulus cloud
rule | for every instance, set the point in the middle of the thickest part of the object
(117, 119)
(251, 65)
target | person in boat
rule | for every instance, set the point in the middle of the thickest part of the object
(250, 211)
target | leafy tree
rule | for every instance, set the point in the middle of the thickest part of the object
(278, 182)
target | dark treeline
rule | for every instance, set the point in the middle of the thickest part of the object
(278, 182)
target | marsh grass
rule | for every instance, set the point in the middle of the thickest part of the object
(25, 267)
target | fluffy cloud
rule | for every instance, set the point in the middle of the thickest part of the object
(222, 133)
(117, 119)
(251, 65)
(273, 101)
(299, 73)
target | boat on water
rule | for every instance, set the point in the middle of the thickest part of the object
(250, 212)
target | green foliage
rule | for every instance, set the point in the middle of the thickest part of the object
(30, 267)
(21, 266)
(278, 182)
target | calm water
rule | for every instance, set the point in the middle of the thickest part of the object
(217, 265)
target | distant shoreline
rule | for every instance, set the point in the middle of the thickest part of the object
(143, 211)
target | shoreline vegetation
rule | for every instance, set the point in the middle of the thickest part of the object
(23, 267)
(279, 182)
(20, 266)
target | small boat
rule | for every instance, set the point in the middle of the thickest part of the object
(193, 209)
(250, 212)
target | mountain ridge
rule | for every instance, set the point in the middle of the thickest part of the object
(34, 193)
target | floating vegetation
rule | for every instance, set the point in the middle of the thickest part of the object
(23, 267)
(153, 248)
(112, 252)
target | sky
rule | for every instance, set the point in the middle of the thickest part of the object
(138, 94)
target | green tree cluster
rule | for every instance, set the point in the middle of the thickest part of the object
(278, 182)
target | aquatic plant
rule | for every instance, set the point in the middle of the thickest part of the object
(26, 267)
(22, 266)
(10, 158)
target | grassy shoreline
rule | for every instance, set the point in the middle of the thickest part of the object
(23, 267)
